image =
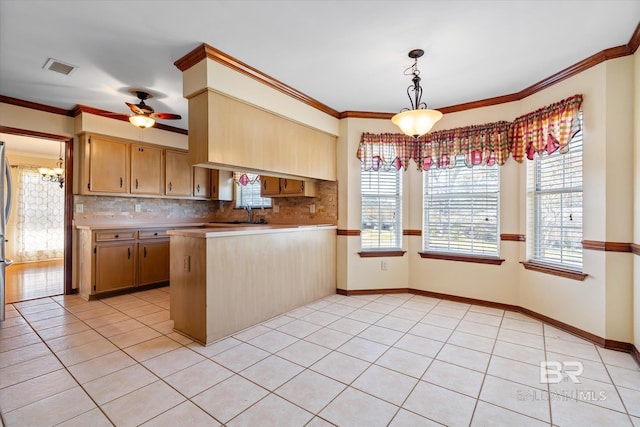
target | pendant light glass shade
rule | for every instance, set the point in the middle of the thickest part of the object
(416, 123)
(418, 120)
(142, 121)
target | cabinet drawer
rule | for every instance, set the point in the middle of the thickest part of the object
(108, 236)
(152, 234)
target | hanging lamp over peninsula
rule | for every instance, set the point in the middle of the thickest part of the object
(418, 120)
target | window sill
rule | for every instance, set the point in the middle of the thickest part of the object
(379, 254)
(462, 257)
(556, 271)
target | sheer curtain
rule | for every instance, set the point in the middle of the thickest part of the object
(39, 217)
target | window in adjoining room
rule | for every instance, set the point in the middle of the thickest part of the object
(460, 209)
(248, 191)
(554, 207)
(381, 192)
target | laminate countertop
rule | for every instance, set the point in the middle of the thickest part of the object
(223, 230)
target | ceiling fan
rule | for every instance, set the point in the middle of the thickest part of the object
(143, 115)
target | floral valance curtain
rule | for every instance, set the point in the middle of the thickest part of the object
(385, 150)
(483, 144)
(547, 129)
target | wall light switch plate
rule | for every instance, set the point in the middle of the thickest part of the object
(383, 265)
(79, 208)
(137, 207)
(312, 208)
(276, 208)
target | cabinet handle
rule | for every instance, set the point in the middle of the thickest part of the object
(198, 189)
(145, 251)
(264, 184)
(170, 186)
(120, 182)
(128, 253)
(136, 183)
(285, 184)
(155, 234)
(116, 236)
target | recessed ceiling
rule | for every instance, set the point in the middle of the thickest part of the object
(347, 54)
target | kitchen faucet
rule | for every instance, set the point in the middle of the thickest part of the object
(249, 213)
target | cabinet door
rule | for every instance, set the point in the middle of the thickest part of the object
(108, 164)
(115, 267)
(291, 186)
(201, 182)
(269, 186)
(215, 177)
(153, 259)
(178, 174)
(146, 170)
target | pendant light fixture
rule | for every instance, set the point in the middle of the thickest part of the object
(54, 174)
(418, 120)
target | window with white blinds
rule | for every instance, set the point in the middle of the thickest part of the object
(461, 207)
(381, 193)
(554, 207)
(249, 195)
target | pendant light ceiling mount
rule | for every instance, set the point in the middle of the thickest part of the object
(418, 120)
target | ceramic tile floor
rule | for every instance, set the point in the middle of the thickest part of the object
(378, 360)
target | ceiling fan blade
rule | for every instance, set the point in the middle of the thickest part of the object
(166, 116)
(135, 108)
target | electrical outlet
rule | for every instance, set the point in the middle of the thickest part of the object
(187, 263)
(137, 207)
(276, 208)
(383, 265)
(79, 208)
(312, 208)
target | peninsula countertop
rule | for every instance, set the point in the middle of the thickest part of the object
(223, 230)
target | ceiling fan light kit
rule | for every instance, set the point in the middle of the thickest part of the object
(418, 120)
(143, 115)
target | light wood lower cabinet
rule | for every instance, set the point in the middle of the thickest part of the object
(115, 266)
(111, 260)
(153, 262)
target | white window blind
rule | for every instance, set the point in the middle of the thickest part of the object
(381, 193)
(461, 209)
(554, 207)
(249, 195)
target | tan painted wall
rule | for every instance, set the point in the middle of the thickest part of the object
(636, 208)
(603, 303)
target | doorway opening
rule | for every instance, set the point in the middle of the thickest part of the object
(39, 227)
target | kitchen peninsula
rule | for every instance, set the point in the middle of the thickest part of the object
(226, 278)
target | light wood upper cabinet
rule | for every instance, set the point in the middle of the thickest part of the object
(269, 186)
(147, 170)
(106, 166)
(201, 183)
(284, 187)
(178, 174)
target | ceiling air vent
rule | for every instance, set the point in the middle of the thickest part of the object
(59, 67)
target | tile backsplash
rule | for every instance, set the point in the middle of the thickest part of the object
(121, 210)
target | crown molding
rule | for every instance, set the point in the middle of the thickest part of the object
(34, 106)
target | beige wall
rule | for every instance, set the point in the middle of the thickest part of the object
(603, 303)
(636, 208)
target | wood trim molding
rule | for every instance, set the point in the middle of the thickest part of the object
(210, 52)
(380, 254)
(556, 271)
(34, 106)
(372, 291)
(365, 115)
(597, 245)
(635, 248)
(513, 237)
(343, 232)
(634, 42)
(580, 333)
(68, 196)
(412, 232)
(464, 258)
